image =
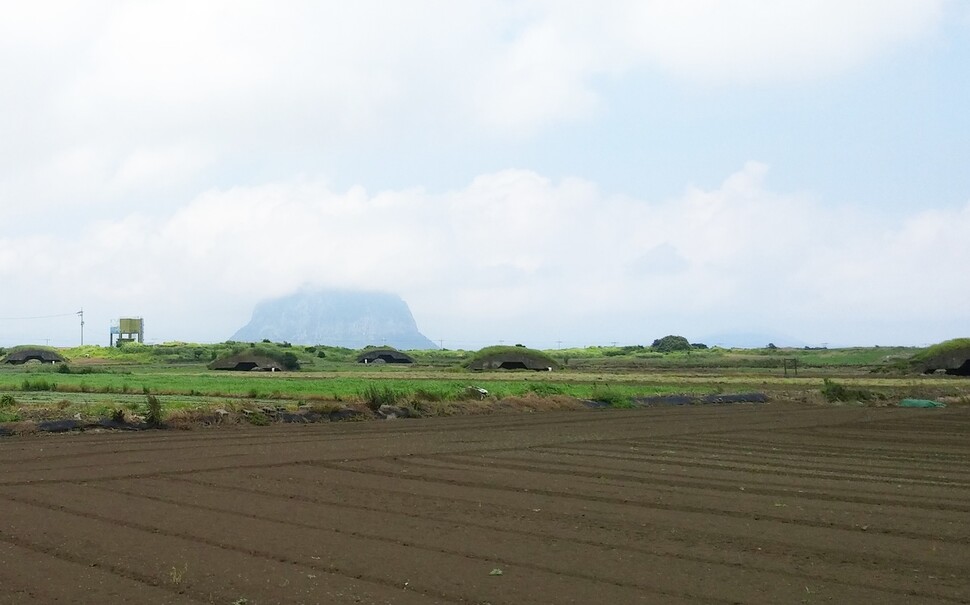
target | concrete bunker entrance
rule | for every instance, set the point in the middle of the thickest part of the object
(963, 370)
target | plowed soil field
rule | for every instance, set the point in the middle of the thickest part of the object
(737, 504)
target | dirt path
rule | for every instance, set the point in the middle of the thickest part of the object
(742, 504)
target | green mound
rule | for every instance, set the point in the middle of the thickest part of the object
(951, 356)
(511, 358)
(266, 358)
(374, 354)
(23, 354)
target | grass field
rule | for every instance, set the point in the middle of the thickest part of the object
(97, 380)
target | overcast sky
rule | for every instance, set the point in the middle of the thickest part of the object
(529, 171)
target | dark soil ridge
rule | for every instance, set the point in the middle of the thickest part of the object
(654, 400)
(268, 415)
(258, 417)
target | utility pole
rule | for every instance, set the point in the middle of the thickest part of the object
(81, 315)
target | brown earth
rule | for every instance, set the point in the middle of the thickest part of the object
(736, 504)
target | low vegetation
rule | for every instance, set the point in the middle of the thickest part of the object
(374, 396)
(943, 348)
(153, 411)
(837, 392)
(162, 384)
(37, 384)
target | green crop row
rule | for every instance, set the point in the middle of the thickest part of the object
(337, 387)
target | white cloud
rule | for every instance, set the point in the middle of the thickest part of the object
(539, 77)
(792, 40)
(155, 167)
(147, 151)
(514, 255)
(246, 77)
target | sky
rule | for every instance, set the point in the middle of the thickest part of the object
(545, 172)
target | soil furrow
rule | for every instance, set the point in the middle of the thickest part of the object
(568, 491)
(671, 478)
(507, 520)
(747, 458)
(189, 546)
(773, 503)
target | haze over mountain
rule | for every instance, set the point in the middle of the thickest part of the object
(345, 318)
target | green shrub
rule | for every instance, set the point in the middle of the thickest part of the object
(616, 400)
(102, 411)
(67, 369)
(257, 418)
(153, 414)
(290, 360)
(428, 394)
(7, 400)
(545, 389)
(627, 350)
(834, 391)
(39, 384)
(133, 347)
(612, 398)
(374, 396)
(671, 343)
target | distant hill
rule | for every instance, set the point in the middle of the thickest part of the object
(345, 318)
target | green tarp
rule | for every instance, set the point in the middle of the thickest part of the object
(920, 403)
